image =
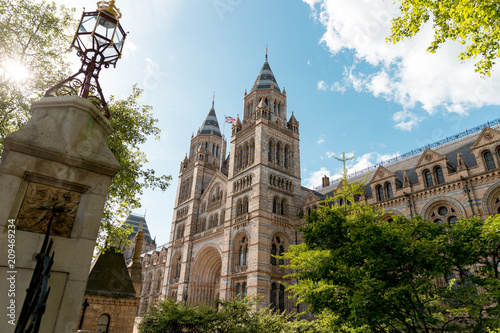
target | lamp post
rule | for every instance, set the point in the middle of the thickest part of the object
(98, 42)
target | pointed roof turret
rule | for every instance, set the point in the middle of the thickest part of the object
(293, 120)
(266, 79)
(211, 125)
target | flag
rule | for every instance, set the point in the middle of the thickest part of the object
(230, 120)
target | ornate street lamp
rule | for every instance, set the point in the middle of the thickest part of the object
(98, 42)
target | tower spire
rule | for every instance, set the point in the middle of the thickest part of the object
(213, 100)
(266, 51)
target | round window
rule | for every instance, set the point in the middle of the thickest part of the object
(438, 221)
(452, 219)
(443, 210)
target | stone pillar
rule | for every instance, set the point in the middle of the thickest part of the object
(135, 266)
(59, 157)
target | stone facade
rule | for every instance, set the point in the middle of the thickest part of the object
(153, 271)
(230, 217)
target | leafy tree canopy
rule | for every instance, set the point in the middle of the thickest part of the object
(473, 23)
(35, 38)
(409, 275)
(229, 317)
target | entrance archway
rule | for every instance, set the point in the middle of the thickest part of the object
(204, 284)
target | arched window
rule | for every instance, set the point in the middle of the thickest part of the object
(266, 101)
(239, 207)
(274, 251)
(439, 175)
(488, 159)
(283, 207)
(242, 251)
(245, 205)
(244, 289)
(428, 178)
(380, 191)
(238, 290)
(388, 188)
(102, 324)
(281, 251)
(278, 153)
(285, 157)
(275, 205)
(281, 298)
(270, 151)
(274, 289)
(277, 248)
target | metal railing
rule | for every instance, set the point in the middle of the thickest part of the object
(413, 152)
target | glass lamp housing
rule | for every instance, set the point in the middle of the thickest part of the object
(99, 35)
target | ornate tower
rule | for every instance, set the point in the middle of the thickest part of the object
(196, 172)
(228, 224)
(263, 193)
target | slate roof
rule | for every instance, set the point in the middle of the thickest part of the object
(450, 150)
(109, 276)
(265, 78)
(135, 221)
(211, 124)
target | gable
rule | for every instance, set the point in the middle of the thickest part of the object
(429, 156)
(218, 179)
(311, 198)
(381, 173)
(488, 135)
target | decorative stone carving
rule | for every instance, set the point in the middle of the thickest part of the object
(428, 157)
(40, 202)
(488, 135)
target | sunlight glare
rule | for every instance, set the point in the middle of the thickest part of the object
(14, 71)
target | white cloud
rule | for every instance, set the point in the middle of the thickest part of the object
(406, 120)
(321, 140)
(330, 154)
(321, 85)
(403, 73)
(359, 163)
(315, 177)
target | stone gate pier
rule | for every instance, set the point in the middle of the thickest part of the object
(57, 165)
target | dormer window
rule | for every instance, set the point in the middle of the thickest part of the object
(428, 178)
(388, 189)
(488, 159)
(439, 175)
(380, 191)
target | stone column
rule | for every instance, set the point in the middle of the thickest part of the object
(135, 266)
(59, 157)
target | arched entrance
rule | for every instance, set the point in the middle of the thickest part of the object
(204, 286)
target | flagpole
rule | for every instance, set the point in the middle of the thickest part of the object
(222, 150)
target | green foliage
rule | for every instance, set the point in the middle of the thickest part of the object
(360, 273)
(37, 35)
(472, 23)
(132, 125)
(234, 316)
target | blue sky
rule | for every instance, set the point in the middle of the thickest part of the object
(349, 89)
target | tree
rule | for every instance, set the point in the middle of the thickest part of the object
(473, 23)
(36, 36)
(410, 275)
(229, 316)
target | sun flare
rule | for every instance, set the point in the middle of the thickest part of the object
(13, 70)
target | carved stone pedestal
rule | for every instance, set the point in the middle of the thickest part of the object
(57, 164)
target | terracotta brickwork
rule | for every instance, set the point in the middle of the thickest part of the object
(121, 313)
